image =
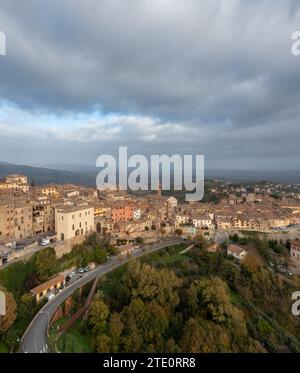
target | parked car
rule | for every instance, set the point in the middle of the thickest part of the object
(51, 296)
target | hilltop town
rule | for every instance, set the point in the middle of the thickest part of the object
(32, 217)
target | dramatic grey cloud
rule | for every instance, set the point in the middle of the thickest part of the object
(215, 77)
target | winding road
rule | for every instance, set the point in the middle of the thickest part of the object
(35, 338)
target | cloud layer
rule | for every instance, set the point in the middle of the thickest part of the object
(212, 77)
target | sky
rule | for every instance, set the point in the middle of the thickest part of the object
(213, 77)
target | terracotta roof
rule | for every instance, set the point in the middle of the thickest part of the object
(236, 249)
(48, 284)
(295, 243)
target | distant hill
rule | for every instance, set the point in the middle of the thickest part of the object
(78, 175)
(42, 176)
(280, 176)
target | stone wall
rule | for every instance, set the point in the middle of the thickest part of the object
(25, 253)
(65, 247)
(291, 234)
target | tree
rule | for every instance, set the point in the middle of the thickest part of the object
(26, 307)
(157, 322)
(142, 280)
(13, 277)
(97, 316)
(46, 263)
(148, 321)
(286, 258)
(139, 240)
(261, 246)
(133, 342)
(224, 246)
(234, 238)
(99, 256)
(202, 336)
(103, 343)
(171, 346)
(201, 241)
(31, 281)
(209, 298)
(116, 327)
(7, 320)
(253, 263)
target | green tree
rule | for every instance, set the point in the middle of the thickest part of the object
(234, 238)
(224, 246)
(139, 240)
(142, 280)
(201, 241)
(7, 320)
(147, 322)
(97, 316)
(203, 336)
(103, 343)
(209, 298)
(99, 256)
(116, 327)
(46, 263)
(26, 307)
(253, 263)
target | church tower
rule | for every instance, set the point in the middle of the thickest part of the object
(159, 189)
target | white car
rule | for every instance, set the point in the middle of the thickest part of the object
(51, 296)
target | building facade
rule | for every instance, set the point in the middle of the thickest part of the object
(72, 221)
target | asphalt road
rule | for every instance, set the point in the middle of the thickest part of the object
(35, 338)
